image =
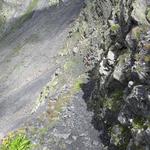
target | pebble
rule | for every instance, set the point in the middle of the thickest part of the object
(95, 143)
(68, 141)
(130, 84)
(64, 136)
(75, 50)
(74, 138)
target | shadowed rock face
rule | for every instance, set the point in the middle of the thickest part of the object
(119, 34)
(27, 55)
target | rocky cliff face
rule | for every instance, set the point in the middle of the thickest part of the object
(117, 35)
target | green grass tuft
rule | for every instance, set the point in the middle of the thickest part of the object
(17, 142)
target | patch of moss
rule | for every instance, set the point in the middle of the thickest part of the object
(31, 6)
(68, 65)
(123, 58)
(120, 136)
(17, 49)
(77, 83)
(2, 21)
(115, 27)
(116, 134)
(147, 58)
(19, 22)
(26, 16)
(108, 103)
(137, 31)
(114, 102)
(138, 123)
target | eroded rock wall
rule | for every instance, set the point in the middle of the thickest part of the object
(117, 35)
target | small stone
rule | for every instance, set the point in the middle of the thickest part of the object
(63, 136)
(57, 72)
(75, 50)
(96, 143)
(83, 134)
(130, 84)
(74, 138)
(45, 148)
(131, 120)
(111, 57)
(69, 108)
(148, 32)
(68, 141)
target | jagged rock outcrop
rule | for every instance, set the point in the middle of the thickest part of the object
(119, 35)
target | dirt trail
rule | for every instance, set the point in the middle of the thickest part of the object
(27, 61)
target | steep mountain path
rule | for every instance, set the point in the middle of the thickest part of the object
(27, 61)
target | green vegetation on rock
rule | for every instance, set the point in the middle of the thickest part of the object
(120, 136)
(115, 27)
(114, 102)
(17, 141)
(138, 123)
(2, 20)
(123, 58)
(17, 49)
(26, 15)
(137, 33)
